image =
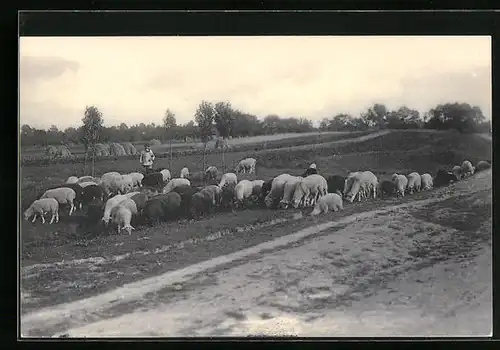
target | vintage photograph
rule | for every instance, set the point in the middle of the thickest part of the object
(244, 186)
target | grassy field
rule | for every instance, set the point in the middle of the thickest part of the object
(54, 256)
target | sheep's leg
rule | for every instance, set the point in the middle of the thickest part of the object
(81, 205)
(52, 218)
(57, 216)
(34, 218)
(119, 228)
(43, 219)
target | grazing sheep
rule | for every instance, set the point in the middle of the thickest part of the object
(87, 183)
(137, 178)
(162, 207)
(140, 200)
(166, 175)
(202, 202)
(113, 202)
(457, 171)
(42, 206)
(427, 181)
(257, 187)
(349, 181)
(92, 192)
(122, 215)
(95, 210)
(266, 188)
(387, 188)
(444, 178)
(309, 190)
(401, 183)
(211, 173)
(242, 191)
(467, 168)
(153, 180)
(289, 190)
(122, 184)
(330, 201)
(227, 197)
(85, 179)
(414, 182)
(336, 184)
(482, 165)
(110, 174)
(215, 191)
(72, 180)
(63, 195)
(228, 178)
(186, 192)
(246, 165)
(276, 192)
(149, 191)
(174, 183)
(184, 173)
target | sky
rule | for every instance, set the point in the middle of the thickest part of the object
(135, 79)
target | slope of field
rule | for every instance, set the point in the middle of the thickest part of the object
(413, 266)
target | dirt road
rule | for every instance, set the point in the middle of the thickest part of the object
(417, 268)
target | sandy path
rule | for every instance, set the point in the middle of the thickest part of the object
(420, 269)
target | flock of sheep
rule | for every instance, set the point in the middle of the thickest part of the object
(156, 196)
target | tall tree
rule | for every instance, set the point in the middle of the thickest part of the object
(224, 118)
(169, 123)
(204, 117)
(460, 116)
(92, 125)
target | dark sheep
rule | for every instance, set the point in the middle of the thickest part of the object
(335, 184)
(310, 171)
(92, 192)
(186, 192)
(227, 200)
(387, 188)
(95, 211)
(162, 207)
(444, 178)
(140, 200)
(201, 203)
(153, 180)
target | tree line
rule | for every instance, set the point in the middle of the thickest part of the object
(221, 119)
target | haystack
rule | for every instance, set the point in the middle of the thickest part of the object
(63, 151)
(115, 149)
(129, 148)
(107, 146)
(155, 142)
(51, 151)
(100, 150)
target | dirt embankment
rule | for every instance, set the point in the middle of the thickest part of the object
(405, 270)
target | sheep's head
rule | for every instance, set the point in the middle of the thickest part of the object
(28, 213)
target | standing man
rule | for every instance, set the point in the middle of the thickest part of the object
(147, 158)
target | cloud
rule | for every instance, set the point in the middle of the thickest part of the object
(34, 68)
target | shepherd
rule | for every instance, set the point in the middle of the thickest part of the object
(147, 158)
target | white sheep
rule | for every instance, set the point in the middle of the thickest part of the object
(246, 164)
(467, 168)
(401, 183)
(277, 189)
(309, 190)
(72, 180)
(42, 206)
(175, 183)
(289, 190)
(184, 173)
(243, 190)
(63, 195)
(228, 179)
(113, 202)
(137, 178)
(122, 184)
(427, 181)
(87, 183)
(257, 187)
(330, 201)
(122, 215)
(85, 179)
(166, 175)
(457, 171)
(414, 182)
